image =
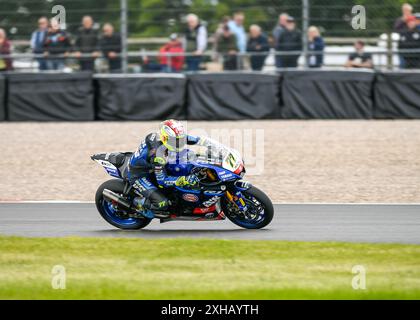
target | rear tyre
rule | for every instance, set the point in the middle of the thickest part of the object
(260, 210)
(113, 215)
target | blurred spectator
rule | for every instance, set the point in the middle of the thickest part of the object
(410, 40)
(5, 49)
(219, 31)
(150, 65)
(360, 58)
(236, 26)
(172, 63)
(56, 43)
(315, 44)
(222, 24)
(277, 31)
(37, 41)
(400, 24)
(417, 15)
(257, 43)
(195, 42)
(290, 40)
(227, 47)
(110, 45)
(87, 43)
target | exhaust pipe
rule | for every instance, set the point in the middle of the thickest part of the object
(112, 196)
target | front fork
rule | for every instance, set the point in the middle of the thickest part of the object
(237, 199)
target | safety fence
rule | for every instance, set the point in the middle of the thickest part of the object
(144, 26)
(288, 94)
(213, 61)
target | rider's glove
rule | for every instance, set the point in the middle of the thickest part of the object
(185, 181)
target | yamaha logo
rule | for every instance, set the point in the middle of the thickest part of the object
(190, 197)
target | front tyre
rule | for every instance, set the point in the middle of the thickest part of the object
(259, 214)
(114, 215)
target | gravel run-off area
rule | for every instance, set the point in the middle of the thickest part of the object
(297, 161)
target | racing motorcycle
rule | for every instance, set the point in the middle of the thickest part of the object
(221, 193)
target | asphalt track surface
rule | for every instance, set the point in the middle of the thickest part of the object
(307, 222)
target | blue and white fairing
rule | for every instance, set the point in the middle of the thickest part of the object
(110, 168)
(225, 162)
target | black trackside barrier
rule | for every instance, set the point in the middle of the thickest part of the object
(2, 98)
(232, 96)
(141, 97)
(327, 94)
(397, 95)
(293, 94)
(50, 97)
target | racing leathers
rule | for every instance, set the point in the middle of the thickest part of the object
(147, 172)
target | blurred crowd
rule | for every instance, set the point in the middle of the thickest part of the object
(232, 45)
(52, 46)
(231, 42)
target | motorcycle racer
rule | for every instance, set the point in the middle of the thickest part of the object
(148, 164)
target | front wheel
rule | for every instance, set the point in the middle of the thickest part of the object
(114, 215)
(259, 214)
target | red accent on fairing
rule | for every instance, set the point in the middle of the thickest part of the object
(239, 170)
(221, 216)
(204, 210)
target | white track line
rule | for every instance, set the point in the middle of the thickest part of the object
(275, 203)
(47, 201)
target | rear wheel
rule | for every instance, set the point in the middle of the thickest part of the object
(114, 215)
(259, 214)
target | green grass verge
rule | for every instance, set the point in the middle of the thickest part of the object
(205, 269)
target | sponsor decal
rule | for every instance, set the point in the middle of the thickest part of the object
(190, 197)
(137, 185)
(162, 204)
(211, 201)
(226, 175)
(113, 173)
(213, 193)
(106, 164)
(146, 183)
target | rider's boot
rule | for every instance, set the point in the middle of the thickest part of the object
(161, 210)
(139, 205)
